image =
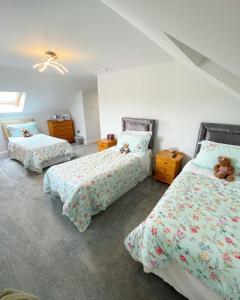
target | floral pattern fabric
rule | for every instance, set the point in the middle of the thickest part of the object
(90, 184)
(197, 223)
(35, 150)
(210, 151)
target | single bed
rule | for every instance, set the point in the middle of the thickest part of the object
(90, 184)
(38, 151)
(191, 239)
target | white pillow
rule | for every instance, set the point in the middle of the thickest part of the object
(146, 133)
(210, 151)
(137, 143)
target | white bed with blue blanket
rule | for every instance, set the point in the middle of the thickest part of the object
(90, 184)
(37, 151)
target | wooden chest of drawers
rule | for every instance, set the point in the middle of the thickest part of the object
(168, 165)
(105, 143)
(62, 129)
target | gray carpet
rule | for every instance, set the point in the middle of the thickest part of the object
(43, 253)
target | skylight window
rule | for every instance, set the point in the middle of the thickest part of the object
(11, 102)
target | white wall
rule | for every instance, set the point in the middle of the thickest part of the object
(45, 94)
(77, 113)
(170, 93)
(85, 113)
(91, 114)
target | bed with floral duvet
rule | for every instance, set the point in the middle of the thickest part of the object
(39, 151)
(89, 184)
(196, 224)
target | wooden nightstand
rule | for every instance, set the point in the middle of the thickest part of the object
(105, 143)
(167, 166)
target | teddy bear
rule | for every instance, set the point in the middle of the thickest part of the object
(26, 133)
(224, 169)
(125, 149)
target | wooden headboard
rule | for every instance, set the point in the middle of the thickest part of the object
(5, 123)
(138, 124)
(219, 133)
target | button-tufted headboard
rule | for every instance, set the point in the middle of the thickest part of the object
(219, 133)
(138, 124)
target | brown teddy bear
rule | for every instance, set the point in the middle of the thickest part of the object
(224, 169)
(26, 133)
(125, 149)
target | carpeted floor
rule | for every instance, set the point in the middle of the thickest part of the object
(43, 253)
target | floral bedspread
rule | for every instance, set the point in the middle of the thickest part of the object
(35, 150)
(89, 184)
(197, 223)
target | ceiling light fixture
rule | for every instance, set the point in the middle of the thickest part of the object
(52, 62)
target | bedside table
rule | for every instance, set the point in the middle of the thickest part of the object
(167, 166)
(105, 143)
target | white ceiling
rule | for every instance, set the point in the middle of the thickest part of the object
(211, 27)
(86, 34)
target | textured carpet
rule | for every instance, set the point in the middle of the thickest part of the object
(42, 252)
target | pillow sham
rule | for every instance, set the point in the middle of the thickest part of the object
(17, 129)
(137, 143)
(144, 133)
(210, 151)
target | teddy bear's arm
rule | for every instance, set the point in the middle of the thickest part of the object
(216, 168)
(230, 170)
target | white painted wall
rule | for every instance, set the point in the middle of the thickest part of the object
(176, 97)
(85, 113)
(77, 113)
(91, 115)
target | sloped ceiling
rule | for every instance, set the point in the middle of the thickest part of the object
(86, 34)
(206, 30)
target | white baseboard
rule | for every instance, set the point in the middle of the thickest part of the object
(3, 154)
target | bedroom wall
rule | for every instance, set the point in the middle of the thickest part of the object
(170, 93)
(91, 113)
(46, 94)
(85, 113)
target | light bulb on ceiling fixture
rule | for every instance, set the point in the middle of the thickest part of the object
(106, 70)
(52, 62)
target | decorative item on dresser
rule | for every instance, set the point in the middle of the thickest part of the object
(105, 143)
(168, 165)
(63, 129)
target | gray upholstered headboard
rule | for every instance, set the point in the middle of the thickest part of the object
(219, 133)
(138, 124)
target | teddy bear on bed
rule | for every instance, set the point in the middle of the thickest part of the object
(125, 149)
(224, 169)
(26, 133)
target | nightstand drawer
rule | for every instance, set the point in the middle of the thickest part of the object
(164, 177)
(105, 144)
(101, 148)
(166, 171)
(168, 165)
(164, 162)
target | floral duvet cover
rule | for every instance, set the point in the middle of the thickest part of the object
(197, 223)
(35, 150)
(89, 184)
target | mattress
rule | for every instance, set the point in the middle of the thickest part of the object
(39, 151)
(90, 184)
(192, 235)
(175, 275)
